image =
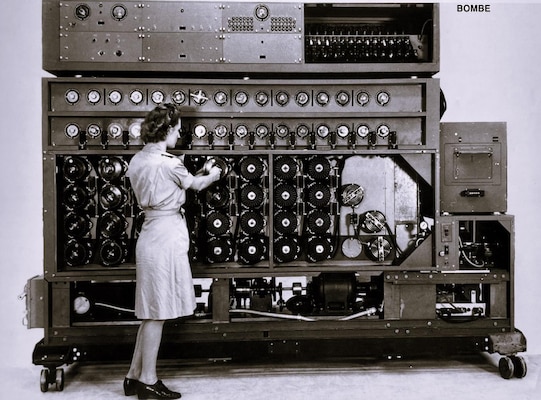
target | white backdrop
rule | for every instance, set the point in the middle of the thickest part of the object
(489, 72)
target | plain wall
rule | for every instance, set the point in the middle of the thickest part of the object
(489, 72)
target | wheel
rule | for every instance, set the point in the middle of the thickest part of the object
(506, 367)
(44, 380)
(59, 379)
(520, 366)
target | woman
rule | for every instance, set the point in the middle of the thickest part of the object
(164, 286)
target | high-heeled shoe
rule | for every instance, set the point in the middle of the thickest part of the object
(130, 386)
(156, 391)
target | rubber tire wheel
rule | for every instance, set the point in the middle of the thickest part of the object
(59, 379)
(520, 366)
(506, 367)
(44, 380)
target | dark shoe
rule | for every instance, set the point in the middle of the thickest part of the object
(130, 386)
(156, 391)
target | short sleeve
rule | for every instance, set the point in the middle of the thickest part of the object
(180, 174)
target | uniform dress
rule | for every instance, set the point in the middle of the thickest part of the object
(164, 286)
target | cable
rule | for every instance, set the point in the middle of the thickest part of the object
(115, 307)
(272, 315)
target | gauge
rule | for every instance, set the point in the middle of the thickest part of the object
(115, 96)
(363, 131)
(363, 98)
(342, 131)
(72, 96)
(199, 97)
(302, 98)
(93, 96)
(93, 130)
(220, 131)
(323, 131)
(302, 131)
(81, 305)
(282, 98)
(136, 96)
(383, 131)
(261, 12)
(178, 97)
(82, 11)
(322, 98)
(114, 130)
(383, 98)
(119, 12)
(135, 130)
(262, 130)
(241, 98)
(157, 97)
(261, 98)
(220, 98)
(342, 98)
(282, 131)
(200, 131)
(72, 131)
(241, 131)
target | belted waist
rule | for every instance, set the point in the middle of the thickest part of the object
(151, 213)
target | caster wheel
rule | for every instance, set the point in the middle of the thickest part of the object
(44, 380)
(520, 366)
(59, 381)
(506, 367)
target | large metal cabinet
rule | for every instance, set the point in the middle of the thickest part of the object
(335, 228)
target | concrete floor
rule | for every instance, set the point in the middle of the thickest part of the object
(474, 378)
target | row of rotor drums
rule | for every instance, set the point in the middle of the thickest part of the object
(302, 194)
(96, 202)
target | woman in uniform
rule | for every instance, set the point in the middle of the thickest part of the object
(164, 286)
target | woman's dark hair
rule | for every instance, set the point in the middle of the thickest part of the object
(158, 121)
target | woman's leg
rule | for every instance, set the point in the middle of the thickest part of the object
(145, 355)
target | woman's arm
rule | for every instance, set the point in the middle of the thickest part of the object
(201, 182)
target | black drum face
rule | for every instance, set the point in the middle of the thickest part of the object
(252, 250)
(319, 248)
(77, 225)
(251, 168)
(218, 223)
(318, 168)
(76, 169)
(112, 225)
(318, 222)
(217, 196)
(286, 249)
(252, 222)
(111, 168)
(252, 196)
(112, 197)
(285, 195)
(319, 194)
(285, 168)
(75, 197)
(77, 252)
(112, 252)
(219, 250)
(285, 222)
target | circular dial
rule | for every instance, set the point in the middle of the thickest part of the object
(119, 12)
(93, 130)
(72, 131)
(342, 98)
(363, 98)
(261, 98)
(82, 12)
(178, 97)
(282, 131)
(383, 98)
(323, 131)
(93, 96)
(383, 131)
(363, 131)
(261, 12)
(114, 130)
(72, 96)
(135, 130)
(282, 98)
(136, 97)
(322, 98)
(220, 131)
(241, 98)
(157, 97)
(302, 131)
(200, 131)
(262, 130)
(241, 131)
(342, 131)
(302, 98)
(220, 98)
(115, 96)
